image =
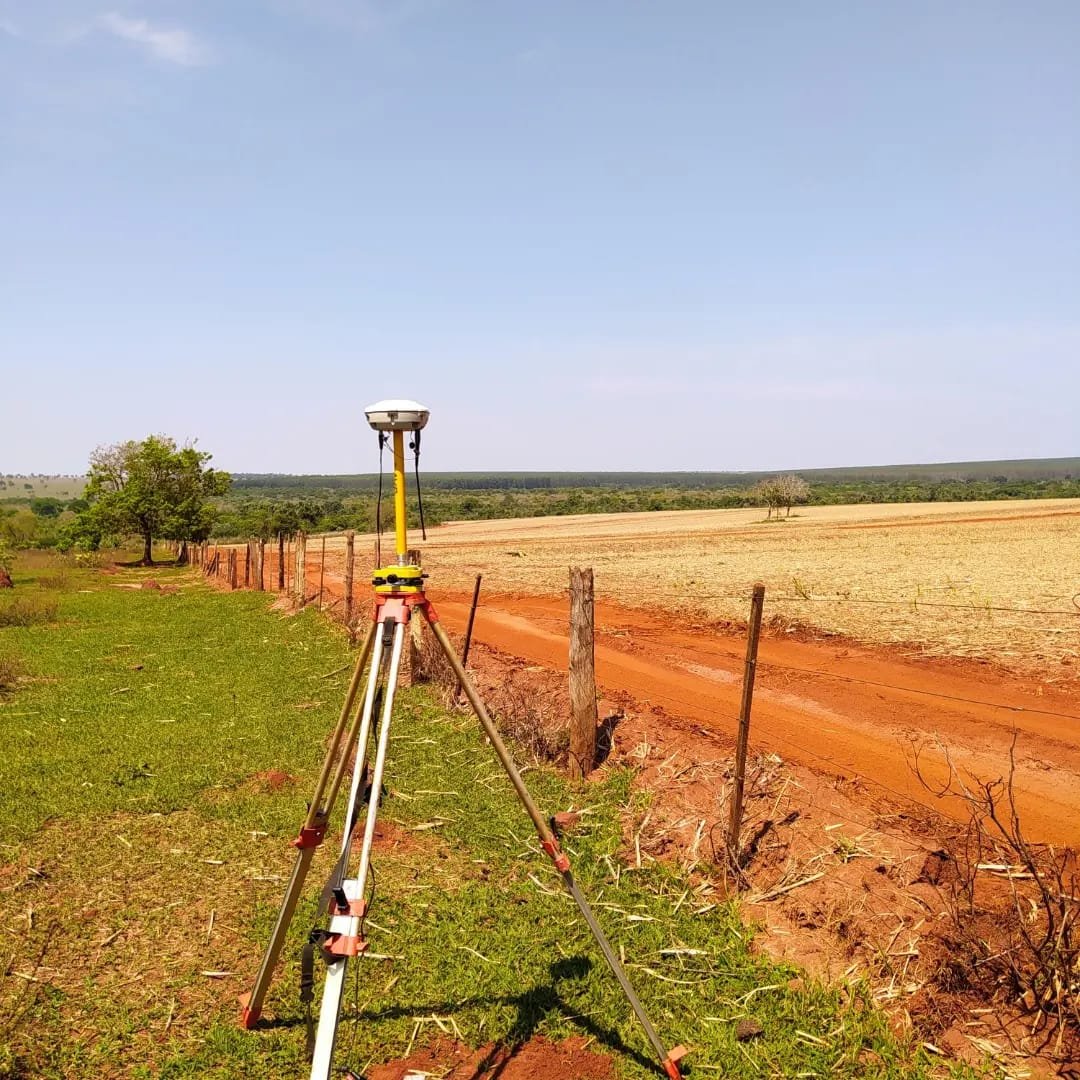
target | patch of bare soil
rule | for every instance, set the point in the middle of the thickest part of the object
(271, 780)
(538, 1059)
(865, 706)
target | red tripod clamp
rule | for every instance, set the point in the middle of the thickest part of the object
(558, 856)
(309, 836)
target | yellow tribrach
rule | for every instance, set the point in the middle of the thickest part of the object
(398, 581)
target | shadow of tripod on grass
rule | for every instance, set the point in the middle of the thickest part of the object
(532, 1006)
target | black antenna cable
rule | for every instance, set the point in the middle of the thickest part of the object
(414, 446)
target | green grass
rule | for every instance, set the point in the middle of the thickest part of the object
(134, 830)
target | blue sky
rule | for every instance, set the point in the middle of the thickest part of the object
(587, 234)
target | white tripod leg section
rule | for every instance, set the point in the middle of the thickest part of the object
(362, 737)
(349, 925)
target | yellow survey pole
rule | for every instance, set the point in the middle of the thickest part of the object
(400, 538)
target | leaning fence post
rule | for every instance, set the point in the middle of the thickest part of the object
(350, 555)
(582, 674)
(753, 633)
(468, 630)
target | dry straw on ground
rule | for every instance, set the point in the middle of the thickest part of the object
(826, 567)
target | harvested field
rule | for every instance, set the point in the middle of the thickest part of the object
(975, 603)
(993, 581)
(873, 573)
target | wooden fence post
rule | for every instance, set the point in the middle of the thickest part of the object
(280, 562)
(300, 581)
(322, 570)
(468, 630)
(232, 568)
(753, 633)
(260, 580)
(350, 556)
(582, 674)
(247, 564)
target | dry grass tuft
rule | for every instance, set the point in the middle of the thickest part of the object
(28, 611)
(535, 719)
(12, 669)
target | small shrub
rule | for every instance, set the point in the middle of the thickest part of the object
(61, 581)
(11, 670)
(1016, 933)
(27, 611)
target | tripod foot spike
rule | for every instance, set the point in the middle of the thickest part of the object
(249, 1017)
(671, 1062)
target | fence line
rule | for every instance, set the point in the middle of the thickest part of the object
(312, 561)
(220, 564)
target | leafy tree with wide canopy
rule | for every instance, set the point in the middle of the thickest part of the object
(152, 488)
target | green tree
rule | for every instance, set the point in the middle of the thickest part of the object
(20, 528)
(46, 507)
(151, 488)
(793, 489)
(769, 492)
(7, 558)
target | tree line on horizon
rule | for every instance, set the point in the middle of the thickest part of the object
(154, 489)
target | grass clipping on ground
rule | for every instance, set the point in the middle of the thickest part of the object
(157, 761)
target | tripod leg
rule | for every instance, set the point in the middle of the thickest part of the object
(361, 741)
(345, 925)
(669, 1059)
(311, 834)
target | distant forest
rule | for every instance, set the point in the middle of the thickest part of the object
(264, 504)
(332, 502)
(956, 472)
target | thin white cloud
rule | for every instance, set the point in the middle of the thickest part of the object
(171, 44)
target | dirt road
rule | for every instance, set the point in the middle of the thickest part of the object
(849, 710)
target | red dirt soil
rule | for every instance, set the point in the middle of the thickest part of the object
(852, 710)
(537, 1059)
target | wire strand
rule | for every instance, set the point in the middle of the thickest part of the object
(974, 608)
(915, 690)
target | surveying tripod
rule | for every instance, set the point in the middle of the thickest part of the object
(399, 598)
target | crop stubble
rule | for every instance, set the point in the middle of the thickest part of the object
(978, 556)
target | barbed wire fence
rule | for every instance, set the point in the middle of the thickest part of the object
(306, 571)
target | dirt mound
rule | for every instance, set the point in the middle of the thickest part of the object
(390, 836)
(272, 780)
(538, 1059)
